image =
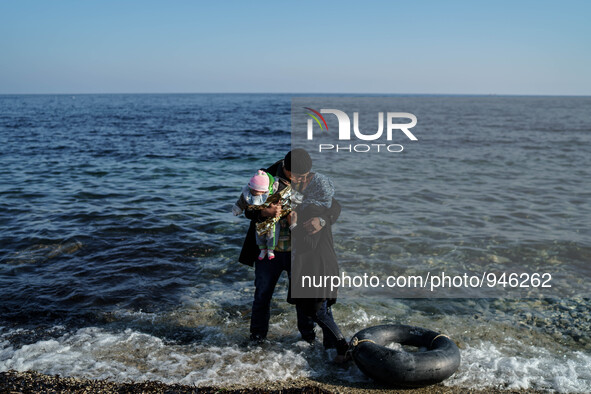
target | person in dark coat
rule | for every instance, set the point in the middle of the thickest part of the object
(267, 272)
(314, 260)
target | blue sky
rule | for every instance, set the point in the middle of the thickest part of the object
(440, 47)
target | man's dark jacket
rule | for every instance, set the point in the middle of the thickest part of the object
(250, 250)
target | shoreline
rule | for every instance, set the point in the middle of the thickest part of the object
(34, 382)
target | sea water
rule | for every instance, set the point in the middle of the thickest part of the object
(118, 249)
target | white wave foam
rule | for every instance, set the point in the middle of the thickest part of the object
(134, 356)
(487, 365)
(360, 318)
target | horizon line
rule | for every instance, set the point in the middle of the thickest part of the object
(304, 93)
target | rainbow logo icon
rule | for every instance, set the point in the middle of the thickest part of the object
(317, 115)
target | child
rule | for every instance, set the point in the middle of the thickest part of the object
(259, 188)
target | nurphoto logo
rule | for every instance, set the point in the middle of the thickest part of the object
(344, 130)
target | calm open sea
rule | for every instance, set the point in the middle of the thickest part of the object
(118, 251)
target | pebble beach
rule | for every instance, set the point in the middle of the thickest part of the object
(33, 382)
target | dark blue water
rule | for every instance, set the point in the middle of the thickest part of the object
(118, 249)
(103, 195)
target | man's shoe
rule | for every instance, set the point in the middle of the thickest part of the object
(309, 338)
(256, 338)
(342, 359)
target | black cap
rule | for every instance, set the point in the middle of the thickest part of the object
(298, 161)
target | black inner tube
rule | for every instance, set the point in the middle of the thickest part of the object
(402, 368)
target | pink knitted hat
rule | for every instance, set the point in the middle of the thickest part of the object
(259, 182)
